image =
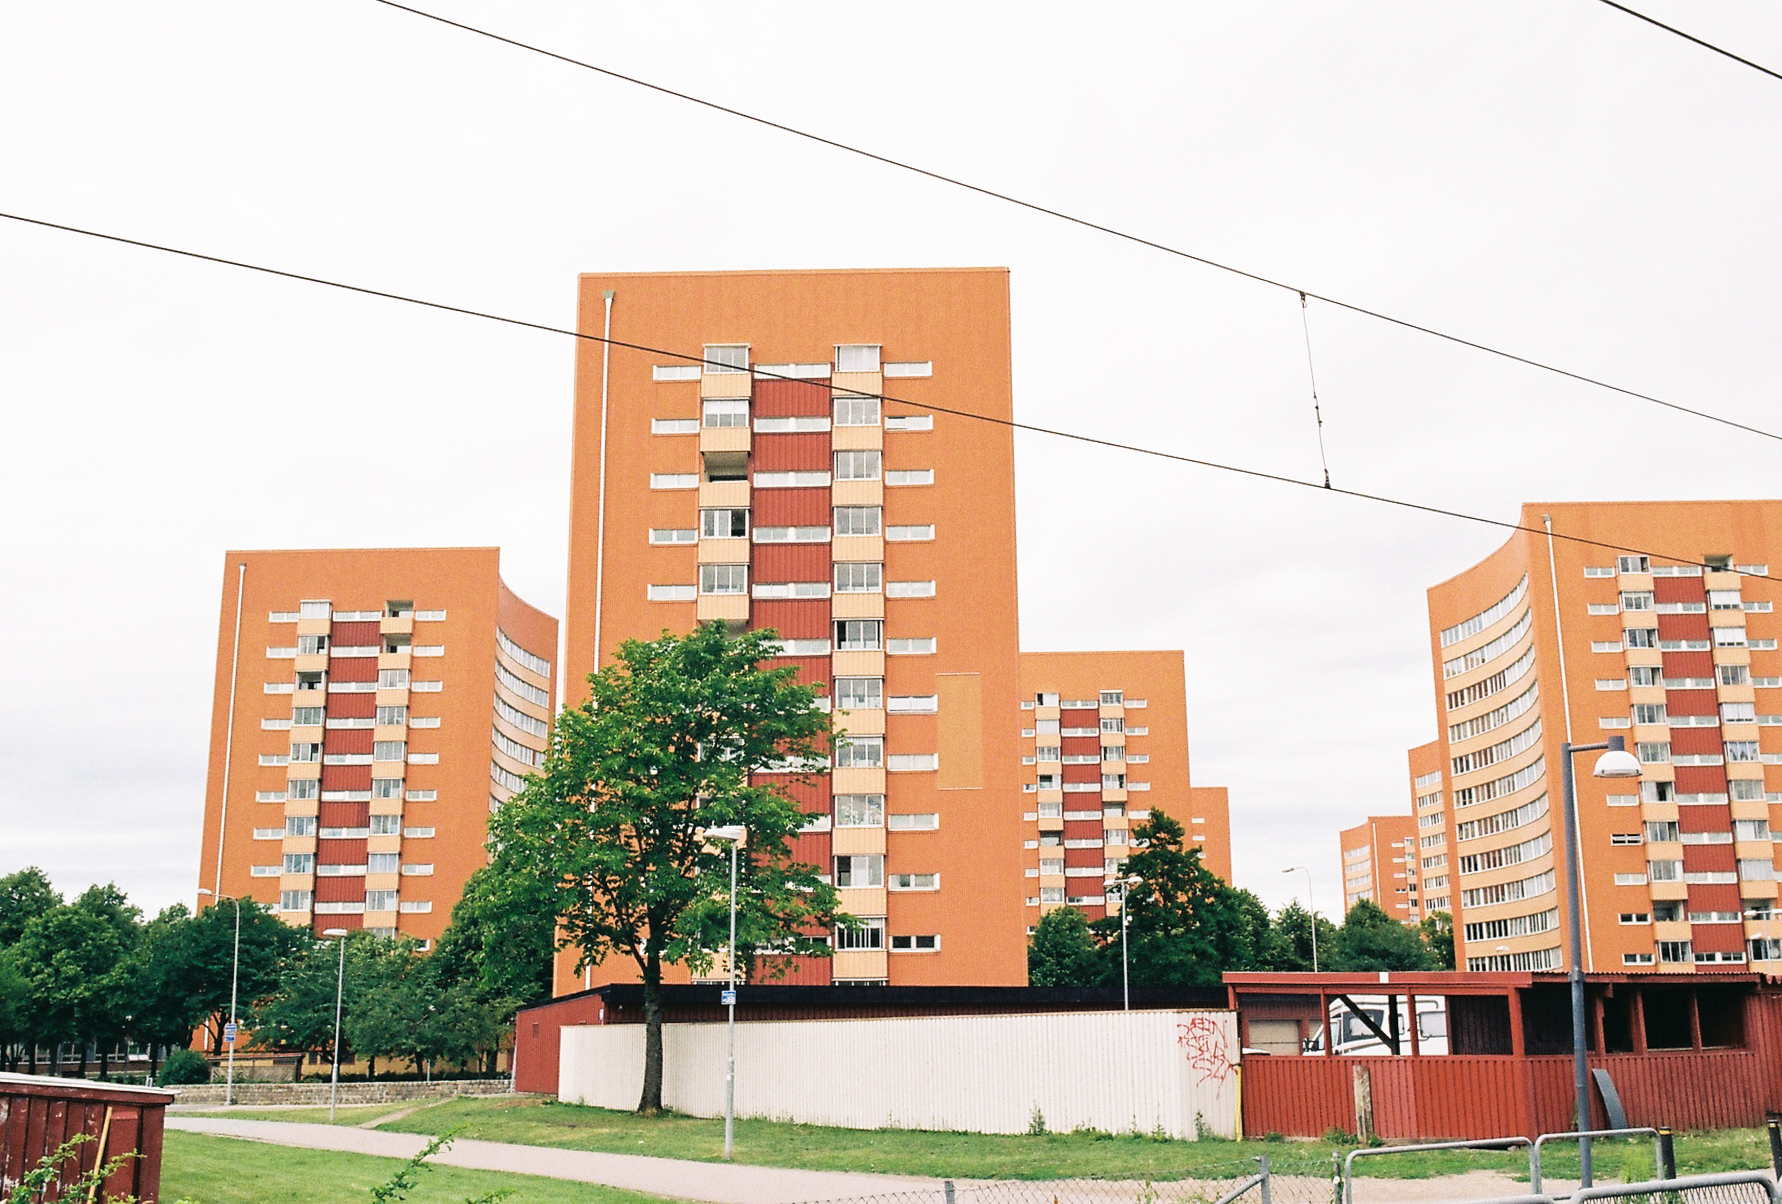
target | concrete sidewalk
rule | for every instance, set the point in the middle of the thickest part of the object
(718, 1182)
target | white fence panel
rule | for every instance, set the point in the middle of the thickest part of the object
(1173, 1072)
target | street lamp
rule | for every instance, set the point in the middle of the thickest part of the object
(1616, 762)
(733, 835)
(1311, 906)
(339, 990)
(233, 1031)
(1125, 885)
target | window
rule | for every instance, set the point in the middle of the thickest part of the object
(306, 717)
(913, 762)
(1633, 564)
(725, 465)
(858, 693)
(910, 534)
(910, 476)
(300, 863)
(859, 810)
(917, 646)
(389, 750)
(314, 610)
(915, 881)
(857, 465)
(859, 635)
(1751, 829)
(1742, 750)
(300, 825)
(381, 863)
(860, 869)
(919, 821)
(857, 357)
(672, 535)
(1624, 838)
(1653, 752)
(913, 943)
(726, 411)
(674, 426)
(725, 523)
(1113, 723)
(1738, 712)
(857, 520)
(868, 933)
(854, 410)
(1734, 675)
(726, 357)
(295, 900)
(386, 787)
(674, 480)
(391, 715)
(1729, 637)
(1649, 712)
(671, 593)
(860, 752)
(305, 788)
(1046, 752)
(305, 751)
(723, 578)
(1641, 637)
(1723, 599)
(1665, 871)
(909, 589)
(386, 825)
(311, 645)
(1662, 830)
(1754, 869)
(380, 900)
(858, 577)
(1636, 599)
(1675, 951)
(392, 679)
(909, 422)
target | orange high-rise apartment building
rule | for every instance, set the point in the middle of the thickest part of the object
(1548, 640)
(815, 474)
(1104, 740)
(1428, 810)
(1379, 863)
(371, 706)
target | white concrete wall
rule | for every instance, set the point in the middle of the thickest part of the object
(988, 1074)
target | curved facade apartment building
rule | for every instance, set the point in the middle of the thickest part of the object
(1547, 640)
(371, 706)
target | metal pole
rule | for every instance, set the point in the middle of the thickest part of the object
(730, 1036)
(234, 983)
(1266, 1189)
(339, 990)
(1125, 977)
(1312, 906)
(1775, 1129)
(1575, 924)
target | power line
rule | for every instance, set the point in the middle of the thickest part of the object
(1009, 423)
(1689, 37)
(1086, 223)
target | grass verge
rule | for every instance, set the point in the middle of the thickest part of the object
(347, 1114)
(224, 1170)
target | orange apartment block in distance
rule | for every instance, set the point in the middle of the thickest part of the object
(1674, 649)
(805, 478)
(1104, 742)
(1424, 768)
(371, 706)
(1380, 864)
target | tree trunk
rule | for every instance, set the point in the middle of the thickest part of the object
(651, 1101)
(297, 1067)
(83, 1058)
(104, 1060)
(154, 1062)
(371, 1068)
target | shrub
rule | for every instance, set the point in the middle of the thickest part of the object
(184, 1066)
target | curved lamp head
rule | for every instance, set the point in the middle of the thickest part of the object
(728, 834)
(1617, 763)
(334, 932)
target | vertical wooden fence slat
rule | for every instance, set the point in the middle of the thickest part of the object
(38, 1114)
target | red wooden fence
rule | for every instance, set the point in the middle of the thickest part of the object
(1460, 1097)
(38, 1114)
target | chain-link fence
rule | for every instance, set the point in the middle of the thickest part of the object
(1288, 1180)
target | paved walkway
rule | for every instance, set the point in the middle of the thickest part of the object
(718, 1182)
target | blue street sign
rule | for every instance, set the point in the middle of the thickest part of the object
(229, 1032)
(727, 998)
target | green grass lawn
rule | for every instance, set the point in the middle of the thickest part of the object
(346, 1114)
(536, 1121)
(224, 1170)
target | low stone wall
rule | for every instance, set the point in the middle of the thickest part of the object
(262, 1094)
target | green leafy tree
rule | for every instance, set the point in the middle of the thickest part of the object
(1372, 940)
(1185, 926)
(24, 896)
(1289, 944)
(1438, 937)
(674, 738)
(501, 938)
(1062, 952)
(15, 1017)
(300, 1015)
(79, 963)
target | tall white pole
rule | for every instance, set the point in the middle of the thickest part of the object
(1125, 980)
(339, 990)
(730, 1071)
(216, 886)
(234, 984)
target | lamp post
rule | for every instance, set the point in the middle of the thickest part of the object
(233, 1032)
(1311, 906)
(1616, 762)
(1125, 885)
(733, 835)
(339, 990)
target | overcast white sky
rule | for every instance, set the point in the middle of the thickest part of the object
(1554, 178)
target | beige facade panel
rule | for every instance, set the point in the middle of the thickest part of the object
(858, 664)
(857, 606)
(730, 607)
(723, 438)
(850, 842)
(725, 384)
(724, 551)
(857, 548)
(845, 438)
(718, 494)
(857, 493)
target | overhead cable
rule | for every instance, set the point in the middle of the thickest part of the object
(1689, 37)
(926, 406)
(1086, 223)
